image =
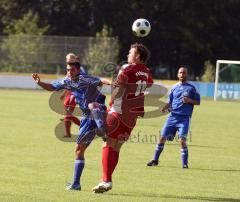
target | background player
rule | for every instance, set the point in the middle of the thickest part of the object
(69, 98)
(127, 105)
(182, 99)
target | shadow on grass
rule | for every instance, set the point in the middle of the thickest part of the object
(206, 169)
(166, 196)
(214, 169)
(190, 144)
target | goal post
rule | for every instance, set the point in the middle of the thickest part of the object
(227, 80)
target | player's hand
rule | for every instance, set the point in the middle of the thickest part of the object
(36, 78)
(187, 100)
(163, 110)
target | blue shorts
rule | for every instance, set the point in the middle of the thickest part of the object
(88, 126)
(176, 123)
(87, 131)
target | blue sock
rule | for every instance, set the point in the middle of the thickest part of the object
(184, 154)
(78, 168)
(158, 151)
(98, 117)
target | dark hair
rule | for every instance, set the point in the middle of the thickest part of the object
(76, 64)
(143, 52)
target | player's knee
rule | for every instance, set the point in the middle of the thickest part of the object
(79, 150)
(162, 139)
(183, 142)
(79, 153)
(110, 142)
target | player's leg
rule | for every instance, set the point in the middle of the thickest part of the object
(78, 166)
(183, 127)
(72, 105)
(116, 153)
(67, 120)
(158, 150)
(98, 114)
(110, 151)
(110, 156)
(107, 166)
(168, 133)
(86, 135)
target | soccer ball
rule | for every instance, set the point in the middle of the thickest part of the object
(141, 27)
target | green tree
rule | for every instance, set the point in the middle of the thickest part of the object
(209, 72)
(102, 50)
(22, 45)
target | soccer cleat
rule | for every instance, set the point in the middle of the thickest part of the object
(73, 187)
(185, 166)
(152, 163)
(102, 187)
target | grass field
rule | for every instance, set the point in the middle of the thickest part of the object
(35, 165)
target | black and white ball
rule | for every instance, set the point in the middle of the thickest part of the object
(141, 27)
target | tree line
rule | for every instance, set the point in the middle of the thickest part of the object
(184, 32)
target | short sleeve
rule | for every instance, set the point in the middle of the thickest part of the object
(170, 97)
(150, 80)
(121, 79)
(196, 96)
(58, 85)
(94, 81)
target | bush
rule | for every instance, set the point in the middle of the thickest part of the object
(209, 72)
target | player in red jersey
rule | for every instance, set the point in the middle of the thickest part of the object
(127, 100)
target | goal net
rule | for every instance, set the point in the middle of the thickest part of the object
(227, 80)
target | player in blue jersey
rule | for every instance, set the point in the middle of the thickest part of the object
(182, 98)
(91, 101)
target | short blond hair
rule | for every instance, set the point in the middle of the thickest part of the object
(72, 58)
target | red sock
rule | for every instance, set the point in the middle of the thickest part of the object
(67, 124)
(107, 163)
(116, 157)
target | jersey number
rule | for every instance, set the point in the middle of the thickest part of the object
(141, 87)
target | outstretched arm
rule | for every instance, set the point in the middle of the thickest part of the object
(46, 86)
(105, 82)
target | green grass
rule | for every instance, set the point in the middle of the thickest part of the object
(35, 165)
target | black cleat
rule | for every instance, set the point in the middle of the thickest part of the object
(185, 166)
(152, 163)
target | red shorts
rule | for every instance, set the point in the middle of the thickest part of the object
(116, 129)
(69, 102)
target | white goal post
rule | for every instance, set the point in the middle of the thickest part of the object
(234, 94)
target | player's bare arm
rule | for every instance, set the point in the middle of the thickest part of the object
(105, 81)
(188, 100)
(165, 107)
(46, 86)
(117, 92)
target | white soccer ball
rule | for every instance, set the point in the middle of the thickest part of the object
(141, 27)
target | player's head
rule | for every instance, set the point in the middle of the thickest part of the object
(138, 53)
(182, 74)
(72, 58)
(73, 65)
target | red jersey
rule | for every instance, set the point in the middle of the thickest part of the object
(134, 79)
